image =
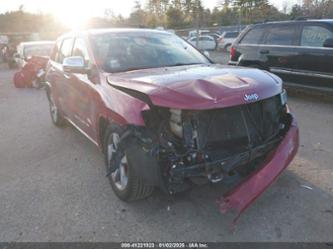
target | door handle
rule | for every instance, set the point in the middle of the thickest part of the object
(264, 51)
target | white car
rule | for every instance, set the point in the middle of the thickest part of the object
(193, 33)
(205, 42)
(227, 38)
(28, 49)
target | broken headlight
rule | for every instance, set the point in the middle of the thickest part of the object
(176, 125)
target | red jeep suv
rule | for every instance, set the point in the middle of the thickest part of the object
(166, 116)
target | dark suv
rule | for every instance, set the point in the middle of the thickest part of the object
(299, 51)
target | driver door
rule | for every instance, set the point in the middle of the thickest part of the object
(83, 94)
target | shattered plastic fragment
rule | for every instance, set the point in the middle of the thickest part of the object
(307, 187)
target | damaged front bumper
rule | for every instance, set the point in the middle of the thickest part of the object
(258, 181)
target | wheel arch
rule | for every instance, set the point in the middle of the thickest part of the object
(103, 123)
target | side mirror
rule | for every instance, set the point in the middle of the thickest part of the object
(328, 43)
(206, 53)
(74, 64)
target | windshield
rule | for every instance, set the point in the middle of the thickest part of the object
(230, 34)
(119, 52)
(38, 50)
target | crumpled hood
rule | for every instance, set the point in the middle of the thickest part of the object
(199, 86)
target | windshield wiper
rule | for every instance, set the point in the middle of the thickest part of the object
(171, 65)
(135, 68)
(183, 64)
(130, 69)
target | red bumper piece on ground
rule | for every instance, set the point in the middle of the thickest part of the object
(23, 79)
(246, 192)
(19, 80)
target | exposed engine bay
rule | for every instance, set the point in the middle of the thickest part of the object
(180, 147)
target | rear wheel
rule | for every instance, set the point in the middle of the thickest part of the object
(56, 116)
(124, 180)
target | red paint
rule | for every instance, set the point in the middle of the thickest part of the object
(232, 53)
(251, 188)
(186, 87)
(199, 87)
(26, 76)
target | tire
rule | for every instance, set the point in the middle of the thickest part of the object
(124, 180)
(56, 117)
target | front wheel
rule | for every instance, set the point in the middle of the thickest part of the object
(124, 180)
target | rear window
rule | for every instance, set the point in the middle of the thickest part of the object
(253, 36)
(281, 35)
(315, 36)
(38, 50)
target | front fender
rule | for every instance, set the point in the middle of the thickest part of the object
(123, 108)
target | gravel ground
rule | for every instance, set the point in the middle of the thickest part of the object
(53, 186)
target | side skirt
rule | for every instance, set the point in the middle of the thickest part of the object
(80, 130)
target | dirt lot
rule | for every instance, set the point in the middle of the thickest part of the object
(53, 186)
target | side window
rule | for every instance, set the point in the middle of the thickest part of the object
(80, 49)
(315, 36)
(65, 50)
(281, 35)
(253, 36)
(55, 51)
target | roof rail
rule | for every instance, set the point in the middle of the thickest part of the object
(300, 18)
(263, 21)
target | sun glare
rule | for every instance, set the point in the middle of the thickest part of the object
(77, 13)
(75, 16)
(74, 20)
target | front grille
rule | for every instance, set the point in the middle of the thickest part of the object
(233, 128)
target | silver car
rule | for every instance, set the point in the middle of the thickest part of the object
(35, 48)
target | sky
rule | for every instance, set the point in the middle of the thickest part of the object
(77, 10)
